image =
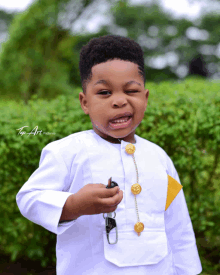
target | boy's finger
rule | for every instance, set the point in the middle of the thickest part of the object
(113, 201)
(107, 193)
(98, 185)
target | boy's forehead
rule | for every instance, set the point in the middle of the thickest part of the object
(115, 64)
(114, 69)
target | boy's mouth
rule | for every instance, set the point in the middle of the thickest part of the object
(119, 123)
(121, 116)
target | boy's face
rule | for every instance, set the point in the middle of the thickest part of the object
(110, 97)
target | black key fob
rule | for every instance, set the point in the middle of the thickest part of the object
(111, 184)
(110, 223)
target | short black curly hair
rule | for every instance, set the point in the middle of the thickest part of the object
(108, 47)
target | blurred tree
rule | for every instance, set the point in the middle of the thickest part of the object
(169, 44)
(42, 54)
(36, 59)
(211, 48)
(197, 66)
(5, 20)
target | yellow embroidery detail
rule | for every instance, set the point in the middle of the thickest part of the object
(174, 188)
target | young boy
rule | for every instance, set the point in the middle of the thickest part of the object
(144, 228)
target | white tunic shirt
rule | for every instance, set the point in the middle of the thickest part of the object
(167, 246)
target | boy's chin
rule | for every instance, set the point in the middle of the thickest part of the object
(112, 139)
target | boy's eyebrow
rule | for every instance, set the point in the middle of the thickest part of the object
(102, 81)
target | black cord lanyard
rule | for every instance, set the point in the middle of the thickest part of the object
(110, 221)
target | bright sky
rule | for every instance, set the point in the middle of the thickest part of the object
(180, 7)
(12, 5)
(183, 7)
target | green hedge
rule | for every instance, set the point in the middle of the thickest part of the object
(182, 118)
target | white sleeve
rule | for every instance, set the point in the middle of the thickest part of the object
(41, 198)
(180, 234)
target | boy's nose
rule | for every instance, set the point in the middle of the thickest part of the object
(120, 101)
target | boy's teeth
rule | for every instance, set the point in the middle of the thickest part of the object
(120, 120)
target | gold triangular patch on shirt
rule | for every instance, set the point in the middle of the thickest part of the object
(173, 189)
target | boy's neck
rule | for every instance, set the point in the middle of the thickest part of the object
(117, 140)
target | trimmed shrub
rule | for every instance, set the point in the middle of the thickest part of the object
(181, 117)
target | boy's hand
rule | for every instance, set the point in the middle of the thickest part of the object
(96, 199)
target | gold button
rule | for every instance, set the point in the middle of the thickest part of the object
(136, 188)
(139, 227)
(130, 148)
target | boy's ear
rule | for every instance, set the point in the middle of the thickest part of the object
(146, 95)
(83, 102)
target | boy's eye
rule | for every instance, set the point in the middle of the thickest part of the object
(104, 92)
